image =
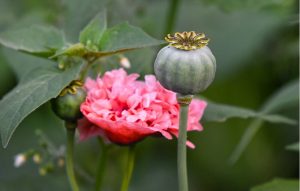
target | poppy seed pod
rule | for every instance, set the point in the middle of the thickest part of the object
(186, 66)
(67, 105)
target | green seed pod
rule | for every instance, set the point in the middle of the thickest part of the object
(186, 66)
(67, 105)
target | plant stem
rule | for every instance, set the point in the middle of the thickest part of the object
(184, 102)
(129, 168)
(84, 70)
(69, 156)
(171, 17)
(101, 166)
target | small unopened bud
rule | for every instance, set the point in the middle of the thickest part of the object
(37, 158)
(46, 169)
(61, 162)
(124, 62)
(20, 159)
(42, 171)
(67, 105)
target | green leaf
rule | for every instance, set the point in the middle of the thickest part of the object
(72, 50)
(94, 30)
(246, 138)
(78, 13)
(278, 184)
(285, 97)
(121, 38)
(39, 40)
(231, 5)
(273, 118)
(22, 63)
(293, 147)
(220, 113)
(125, 37)
(44, 84)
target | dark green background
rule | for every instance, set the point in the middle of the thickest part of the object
(256, 47)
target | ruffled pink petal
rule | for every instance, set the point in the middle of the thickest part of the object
(125, 110)
(88, 129)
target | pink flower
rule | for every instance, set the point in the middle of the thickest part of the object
(124, 110)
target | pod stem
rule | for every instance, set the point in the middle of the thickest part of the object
(184, 102)
(129, 168)
(101, 165)
(71, 127)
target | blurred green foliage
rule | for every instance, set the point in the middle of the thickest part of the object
(256, 46)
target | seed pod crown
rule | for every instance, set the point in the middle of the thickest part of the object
(187, 40)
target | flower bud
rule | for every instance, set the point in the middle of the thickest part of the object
(45, 169)
(67, 105)
(20, 159)
(186, 66)
(37, 158)
(124, 62)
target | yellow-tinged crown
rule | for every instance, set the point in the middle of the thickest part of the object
(187, 40)
(72, 88)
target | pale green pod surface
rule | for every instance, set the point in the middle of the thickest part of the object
(67, 105)
(186, 72)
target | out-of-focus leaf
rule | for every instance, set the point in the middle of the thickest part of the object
(6, 14)
(44, 84)
(220, 113)
(72, 50)
(124, 37)
(273, 118)
(278, 184)
(285, 97)
(39, 40)
(7, 79)
(245, 140)
(293, 147)
(22, 63)
(77, 14)
(120, 38)
(230, 5)
(233, 49)
(94, 30)
(57, 181)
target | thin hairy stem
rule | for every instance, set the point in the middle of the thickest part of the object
(129, 168)
(101, 165)
(69, 158)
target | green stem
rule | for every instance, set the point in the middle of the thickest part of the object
(181, 155)
(101, 166)
(129, 168)
(69, 157)
(84, 70)
(171, 17)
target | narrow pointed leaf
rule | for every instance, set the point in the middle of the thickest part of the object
(278, 184)
(221, 112)
(293, 147)
(246, 138)
(283, 98)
